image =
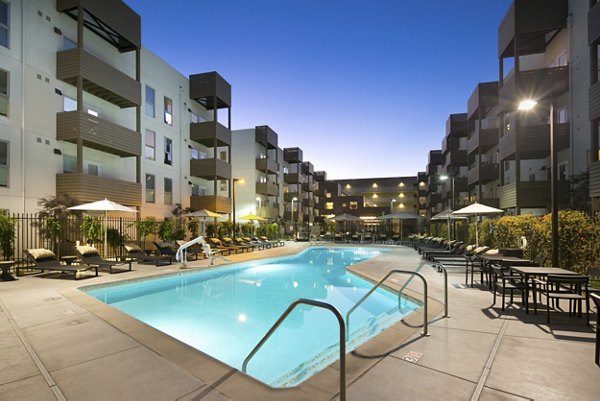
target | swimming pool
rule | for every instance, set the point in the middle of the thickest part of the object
(224, 312)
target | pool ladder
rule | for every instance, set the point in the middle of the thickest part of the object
(344, 327)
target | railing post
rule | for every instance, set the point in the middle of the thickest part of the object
(285, 314)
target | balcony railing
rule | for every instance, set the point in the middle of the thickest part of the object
(210, 134)
(595, 179)
(218, 204)
(543, 82)
(99, 78)
(210, 169)
(265, 188)
(268, 165)
(89, 188)
(533, 141)
(484, 173)
(97, 133)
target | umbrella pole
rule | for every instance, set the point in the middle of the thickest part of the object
(105, 236)
(477, 231)
(448, 226)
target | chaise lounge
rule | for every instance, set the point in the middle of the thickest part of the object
(89, 256)
(140, 256)
(44, 259)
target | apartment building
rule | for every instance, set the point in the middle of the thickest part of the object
(454, 152)
(593, 39)
(86, 111)
(298, 191)
(370, 198)
(255, 160)
(434, 171)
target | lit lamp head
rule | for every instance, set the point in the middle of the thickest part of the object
(443, 177)
(527, 104)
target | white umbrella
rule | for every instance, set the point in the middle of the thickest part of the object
(477, 209)
(203, 214)
(104, 206)
(345, 217)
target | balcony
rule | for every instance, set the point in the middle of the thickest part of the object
(266, 136)
(90, 188)
(493, 202)
(288, 196)
(594, 101)
(292, 155)
(483, 98)
(533, 141)
(456, 158)
(210, 169)
(484, 173)
(269, 166)
(267, 188)
(97, 133)
(594, 24)
(595, 179)
(308, 168)
(210, 134)
(308, 187)
(320, 176)
(456, 125)
(217, 204)
(482, 140)
(434, 198)
(269, 212)
(112, 20)
(541, 84)
(99, 78)
(531, 21)
(293, 178)
(211, 90)
(308, 202)
(450, 145)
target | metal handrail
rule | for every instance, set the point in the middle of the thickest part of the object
(285, 314)
(425, 331)
(441, 266)
(181, 255)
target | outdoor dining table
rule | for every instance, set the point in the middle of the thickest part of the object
(527, 271)
(488, 260)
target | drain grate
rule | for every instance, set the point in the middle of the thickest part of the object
(460, 286)
(412, 356)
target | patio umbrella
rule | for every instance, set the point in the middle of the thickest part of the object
(476, 209)
(104, 206)
(203, 214)
(448, 215)
(401, 216)
(345, 217)
(252, 217)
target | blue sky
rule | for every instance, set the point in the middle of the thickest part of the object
(363, 87)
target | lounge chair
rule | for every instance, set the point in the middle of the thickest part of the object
(164, 249)
(140, 256)
(272, 242)
(216, 243)
(243, 242)
(259, 244)
(90, 256)
(44, 259)
(231, 243)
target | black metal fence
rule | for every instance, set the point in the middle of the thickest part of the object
(62, 235)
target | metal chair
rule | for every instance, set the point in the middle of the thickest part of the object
(596, 299)
(568, 287)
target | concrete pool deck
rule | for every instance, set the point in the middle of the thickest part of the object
(57, 343)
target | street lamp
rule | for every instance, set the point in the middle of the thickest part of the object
(294, 199)
(259, 205)
(444, 178)
(530, 104)
(235, 181)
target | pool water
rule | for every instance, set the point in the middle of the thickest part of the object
(224, 312)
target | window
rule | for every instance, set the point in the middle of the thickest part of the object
(92, 169)
(168, 151)
(150, 145)
(168, 191)
(328, 205)
(68, 44)
(93, 112)
(197, 190)
(150, 101)
(353, 205)
(222, 185)
(69, 104)
(3, 164)
(562, 116)
(150, 188)
(195, 118)
(168, 111)
(223, 155)
(69, 164)
(3, 93)
(197, 155)
(4, 22)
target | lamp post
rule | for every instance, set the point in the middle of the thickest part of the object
(259, 206)
(530, 104)
(294, 199)
(392, 205)
(235, 181)
(444, 178)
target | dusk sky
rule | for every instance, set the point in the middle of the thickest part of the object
(364, 88)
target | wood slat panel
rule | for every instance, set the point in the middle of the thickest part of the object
(217, 204)
(89, 188)
(97, 133)
(507, 195)
(595, 179)
(264, 188)
(268, 165)
(594, 25)
(210, 169)
(100, 78)
(206, 132)
(594, 103)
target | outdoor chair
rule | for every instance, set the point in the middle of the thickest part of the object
(368, 238)
(44, 259)
(272, 242)
(211, 254)
(230, 242)
(596, 299)
(164, 249)
(89, 256)
(504, 281)
(337, 237)
(140, 256)
(568, 287)
(594, 284)
(256, 242)
(247, 242)
(216, 243)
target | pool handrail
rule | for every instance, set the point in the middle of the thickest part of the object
(425, 331)
(284, 315)
(180, 255)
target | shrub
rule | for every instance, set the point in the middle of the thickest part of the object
(7, 235)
